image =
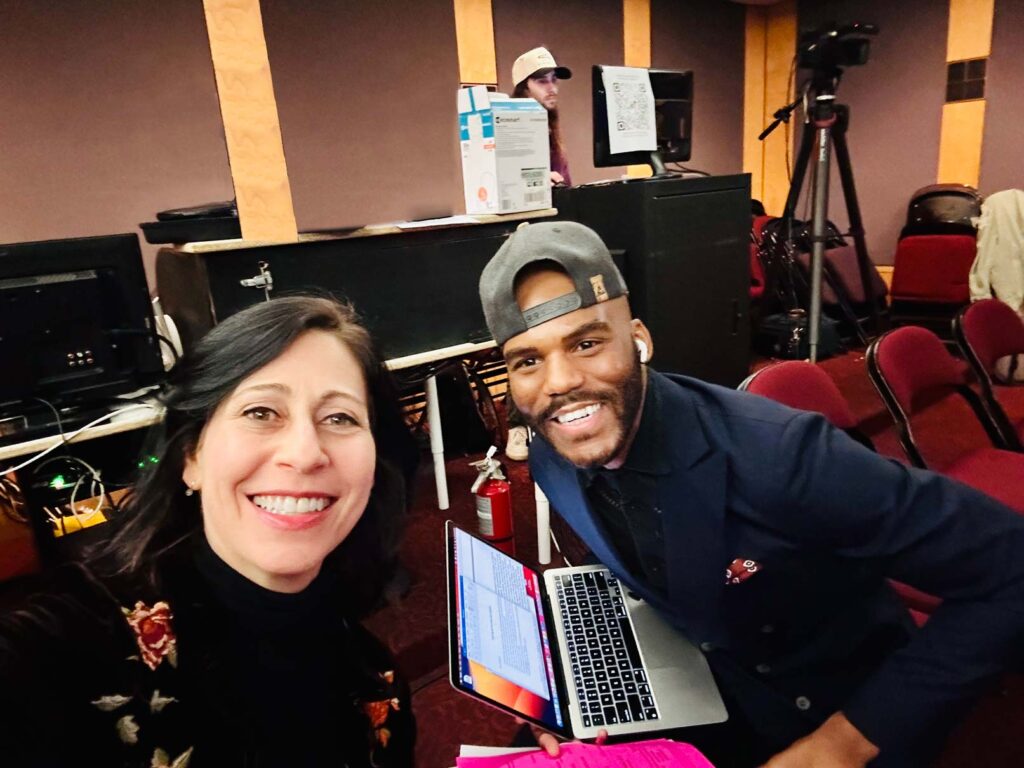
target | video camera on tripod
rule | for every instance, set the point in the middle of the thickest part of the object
(832, 47)
(825, 51)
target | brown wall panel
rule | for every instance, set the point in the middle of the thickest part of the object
(706, 36)
(1002, 155)
(580, 33)
(895, 105)
(366, 96)
(109, 115)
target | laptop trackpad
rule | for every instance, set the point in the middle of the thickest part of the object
(682, 681)
(660, 643)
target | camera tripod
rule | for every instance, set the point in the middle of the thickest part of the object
(826, 128)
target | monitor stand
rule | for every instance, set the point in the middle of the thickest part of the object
(660, 171)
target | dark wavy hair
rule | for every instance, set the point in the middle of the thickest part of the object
(158, 515)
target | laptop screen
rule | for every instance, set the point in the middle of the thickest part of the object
(501, 649)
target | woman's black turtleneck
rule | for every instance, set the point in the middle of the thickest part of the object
(230, 674)
(289, 657)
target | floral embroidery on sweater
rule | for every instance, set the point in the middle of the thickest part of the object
(128, 729)
(162, 760)
(156, 641)
(153, 633)
(110, 703)
(378, 713)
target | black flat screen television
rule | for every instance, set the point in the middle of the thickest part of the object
(673, 112)
(76, 322)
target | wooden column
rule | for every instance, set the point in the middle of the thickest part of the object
(636, 39)
(251, 126)
(768, 58)
(474, 34)
(963, 122)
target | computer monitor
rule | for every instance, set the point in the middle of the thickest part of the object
(76, 323)
(673, 110)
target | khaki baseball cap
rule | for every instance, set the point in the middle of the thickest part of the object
(535, 61)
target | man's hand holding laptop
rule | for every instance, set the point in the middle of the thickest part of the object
(550, 743)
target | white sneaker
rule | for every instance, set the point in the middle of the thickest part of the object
(517, 448)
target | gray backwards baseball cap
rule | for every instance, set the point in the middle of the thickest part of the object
(575, 248)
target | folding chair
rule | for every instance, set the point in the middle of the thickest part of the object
(930, 277)
(911, 368)
(986, 332)
(804, 386)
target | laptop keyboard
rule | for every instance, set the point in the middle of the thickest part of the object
(611, 683)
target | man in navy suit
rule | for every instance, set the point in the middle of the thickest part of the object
(761, 532)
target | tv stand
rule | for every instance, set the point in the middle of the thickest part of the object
(657, 165)
(667, 176)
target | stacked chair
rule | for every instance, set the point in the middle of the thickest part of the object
(989, 334)
(757, 276)
(934, 255)
(845, 302)
(915, 374)
(807, 387)
(841, 265)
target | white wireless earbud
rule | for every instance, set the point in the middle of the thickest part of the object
(642, 346)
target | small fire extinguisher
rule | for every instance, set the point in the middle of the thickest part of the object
(493, 496)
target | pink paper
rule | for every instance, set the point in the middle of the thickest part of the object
(656, 753)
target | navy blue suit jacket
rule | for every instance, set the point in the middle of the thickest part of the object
(817, 629)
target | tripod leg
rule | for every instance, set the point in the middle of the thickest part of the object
(788, 295)
(802, 275)
(820, 207)
(843, 299)
(853, 213)
(799, 171)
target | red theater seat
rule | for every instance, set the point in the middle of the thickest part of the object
(987, 331)
(802, 385)
(757, 276)
(912, 371)
(933, 268)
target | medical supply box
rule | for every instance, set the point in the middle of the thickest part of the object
(506, 165)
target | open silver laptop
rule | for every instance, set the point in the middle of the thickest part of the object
(568, 649)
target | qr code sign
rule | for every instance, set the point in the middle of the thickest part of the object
(631, 106)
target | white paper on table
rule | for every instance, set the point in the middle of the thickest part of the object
(630, 102)
(444, 221)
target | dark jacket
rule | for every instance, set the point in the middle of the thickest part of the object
(816, 628)
(93, 676)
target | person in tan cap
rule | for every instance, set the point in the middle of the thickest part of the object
(536, 75)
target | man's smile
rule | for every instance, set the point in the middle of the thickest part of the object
(575, 413)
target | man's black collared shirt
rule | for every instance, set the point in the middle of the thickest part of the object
(625, 499)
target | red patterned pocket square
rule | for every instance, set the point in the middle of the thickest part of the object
(740, 570)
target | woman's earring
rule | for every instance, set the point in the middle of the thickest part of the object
(189, 491)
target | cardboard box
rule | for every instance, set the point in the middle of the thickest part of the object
(506, 166)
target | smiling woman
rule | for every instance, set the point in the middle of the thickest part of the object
(218, 623)
(285, 464)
